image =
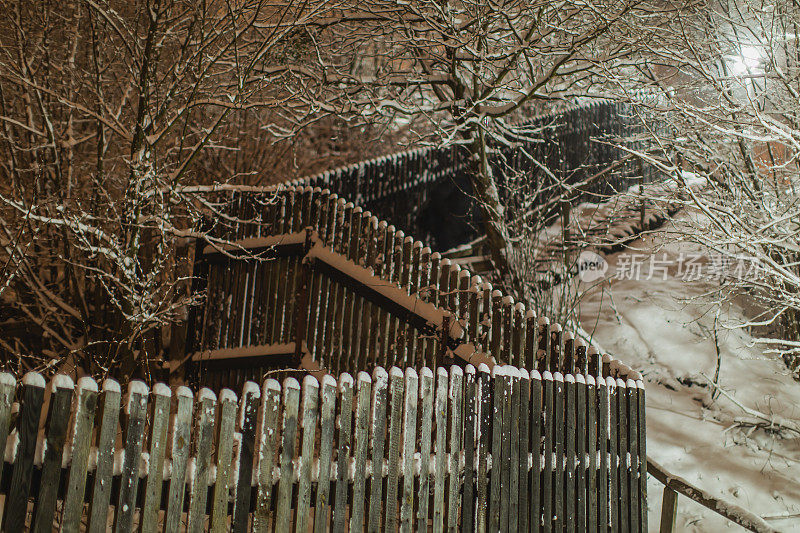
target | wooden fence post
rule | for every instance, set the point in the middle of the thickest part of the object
(301, 301)
(669, 510)
(32, 396)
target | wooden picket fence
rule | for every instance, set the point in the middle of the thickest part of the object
(462, 449)
(349, 295)
(418, 189)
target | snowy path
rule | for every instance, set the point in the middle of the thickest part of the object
(670, 341)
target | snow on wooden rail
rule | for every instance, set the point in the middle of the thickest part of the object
(467, 449)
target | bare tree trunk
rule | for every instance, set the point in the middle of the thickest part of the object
(492, 211)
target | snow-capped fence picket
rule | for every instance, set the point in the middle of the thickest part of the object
(463, 449)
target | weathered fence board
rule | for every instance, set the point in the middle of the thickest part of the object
(455, 449)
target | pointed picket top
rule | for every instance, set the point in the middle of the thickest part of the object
(580, 379)
(590, 380)
(535, 375)
(426, 372)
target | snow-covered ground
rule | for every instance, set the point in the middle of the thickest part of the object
(662, 328)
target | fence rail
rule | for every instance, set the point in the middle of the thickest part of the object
(453, 448)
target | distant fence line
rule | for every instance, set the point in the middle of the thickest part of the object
(352, 294)
(467, 449)
(419, 188)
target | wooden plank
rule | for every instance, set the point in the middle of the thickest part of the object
(346, 333)
(343, 452)
(248, 419)
(484, 390)
(306, 459)
(543, 347)
(632, 462)
(556, 352)
(456, 401)
(7, 389)
(642, 441)
(669, 510)
(426, 394)
(517, 356)
(582, 450)
(592, 423)
(409, 447)
(81, 442)
(498, 398)
(380, 380)
(507, 329)
(537, 462)
(368, 316)
(180, 447)
(159, 423)
(204, 441)
(471, 406)
(322, 201)
(441, 450)
(361, 447)
(623, 479)
(61, 388)
(291, 407)
(403, 329)
(396, 272)
(101, 488)
(226, 427)
(603, 435)
(322, 304)
(31, 398)
(474, 312)
(507, 439)
(497, 324)
(523, 471)
(397, 396)
(413, 345)
(386, 247)
(549, 409)
(133, 437)
(269, 435)
(570, 450)
(327, 416)
(343, 300)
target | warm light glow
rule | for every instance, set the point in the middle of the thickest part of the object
(747, 62)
